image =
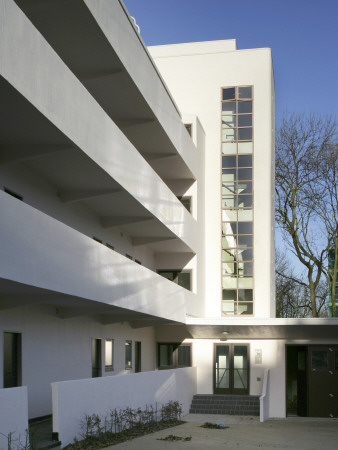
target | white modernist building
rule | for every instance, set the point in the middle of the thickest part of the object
(137, 226)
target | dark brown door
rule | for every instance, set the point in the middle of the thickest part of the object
(231, 369)
(96, 358)
(323, 381)
(12, 360)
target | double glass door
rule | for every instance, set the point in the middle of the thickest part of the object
(231, 369)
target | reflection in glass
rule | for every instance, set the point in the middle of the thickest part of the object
(229, 282)
(222, 368)
(228, 188)
(240, 367)
(229, 215)
(229, 228)
(245, 268)
(245, 147)
(244, 134)
(245, 294)
(228, 201)
(228, 307)
(244, 308)
(319, 360)
(245, 201)
(245, 241)
(246, 255)
(245, 187)
(229, 294)
(245, 283)
(228, 134)
(229, 268)
(228, 119)
(229, 175)
(245, 214)
(229, 148)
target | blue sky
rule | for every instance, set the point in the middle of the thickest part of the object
(303, 35)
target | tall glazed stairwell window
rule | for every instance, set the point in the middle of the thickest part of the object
(237, 200)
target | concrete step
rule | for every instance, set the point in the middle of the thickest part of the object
(241, 405)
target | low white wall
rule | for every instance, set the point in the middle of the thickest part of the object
(13, 415)
(73, 399)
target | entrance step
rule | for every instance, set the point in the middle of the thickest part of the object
(41, 435)
(238, 405)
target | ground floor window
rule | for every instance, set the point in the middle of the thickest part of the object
(128, 354)
(173, 355)
(109, 355)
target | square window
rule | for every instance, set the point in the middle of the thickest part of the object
(245, 92)
(244, 107)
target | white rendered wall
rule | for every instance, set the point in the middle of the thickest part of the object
(55, 349)
(73, 399)
(69, 262)
(195, 74)
(45, 81)
(13, 416)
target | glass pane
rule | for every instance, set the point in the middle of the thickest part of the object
(222, 367)
(245, 215)
(245, 241)
(183, 279)
(228, 308)
(229, 161)
(230, 242)
(229, 282)
(244, 107)
(246, 255)
(245, 92)
(229, 93)
(229, 201)
(228, 108)
(240, 367)
(245, 295)
(183, 356)
(245, 120)
(245, 283)
(109, 353)
(229, 228)
(229, 148)
(245, 228)
(229, 175)
(228, 268)
(229, 255)
(166, 354)
(244, 174)
(245, 147)
(228, 134)
(168, 275)
(245, 187)
(228, 119)
(245, 268)
(228, 188)
(186, 202)
(319, 360)
(244, 308)
(128, 354)
(245, 161)
(229, 215)
(244, 134)
(229, 295)
(245, 201)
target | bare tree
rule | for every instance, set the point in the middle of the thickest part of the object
(306, 196)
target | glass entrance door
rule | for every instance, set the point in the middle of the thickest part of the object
(231, 369)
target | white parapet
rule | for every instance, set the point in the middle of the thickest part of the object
(13, 417)
(72, 400)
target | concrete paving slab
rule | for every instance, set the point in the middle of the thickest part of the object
(243, 433)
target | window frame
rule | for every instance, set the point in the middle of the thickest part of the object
(174, 355)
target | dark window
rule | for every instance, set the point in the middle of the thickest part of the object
(173, 355)
(245, 92)
(188, 127)
(229, 94)
(181, 277)
(186, 202)
(128, 354)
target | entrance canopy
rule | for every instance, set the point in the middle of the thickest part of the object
(250, 328)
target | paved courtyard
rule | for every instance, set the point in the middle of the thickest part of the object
(243, 433)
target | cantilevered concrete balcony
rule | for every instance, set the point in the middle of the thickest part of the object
(43, 261)
(52, 125)
(99, 43)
